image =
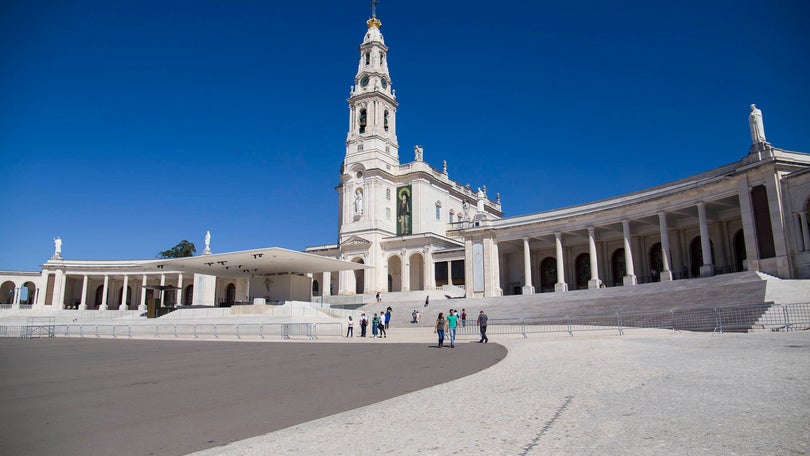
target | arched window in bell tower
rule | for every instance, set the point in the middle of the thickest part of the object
(382, 57)
(385, 120)
(368, 58)
(362, 121)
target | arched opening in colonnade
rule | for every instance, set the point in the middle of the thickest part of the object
(656, 258)
(7, 293)
(230, 294)
(618, 267)
(121, 295)
(394, 274)
(696, 256)
(548, 274)
(417, 272)
(359, 277)
(740, 255)
(99, 296)
(188, 295)
(170, 298)
(582, 271)
(315, 288)
(28, 290)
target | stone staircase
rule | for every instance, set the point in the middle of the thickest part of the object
(728, 290)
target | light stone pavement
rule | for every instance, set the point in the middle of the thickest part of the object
(647, 392)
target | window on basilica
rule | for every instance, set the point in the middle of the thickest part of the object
(362, 121)
(368, 58)
(388, 194)
(385, 120)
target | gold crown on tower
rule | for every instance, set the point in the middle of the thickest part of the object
(373, 22)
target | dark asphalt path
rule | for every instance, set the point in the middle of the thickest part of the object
(137, 397)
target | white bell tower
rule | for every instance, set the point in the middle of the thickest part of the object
(372, 138)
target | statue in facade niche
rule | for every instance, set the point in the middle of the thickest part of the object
(358, 201)
(757, 127)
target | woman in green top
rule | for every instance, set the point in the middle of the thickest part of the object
(441, 325)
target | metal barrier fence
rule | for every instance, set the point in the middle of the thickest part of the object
(790, 317)
(222, 331)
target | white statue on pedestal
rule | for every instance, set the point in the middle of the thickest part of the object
(757, 128)
(57, 247)
(207, 250)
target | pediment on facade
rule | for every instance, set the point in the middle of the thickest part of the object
(355, 243)
(436, 242)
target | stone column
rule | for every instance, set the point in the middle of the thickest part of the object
(560, 285)
(123, 305)
(527, 268)
(774, 189)
(449, 272)
(59, 284)
(749, 230)
(430, 284)
(83, 302)
(666, 274)
(406, 273)
(595, 282)
(804, 231)
(707, 269)
(469, 274)
(491, 268)
(326, 283)
(162, 292)
(630, 272)
(179, 290)
(104, 293)
(496, 268)
(142, 305)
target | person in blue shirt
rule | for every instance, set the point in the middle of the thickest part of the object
(452, 324)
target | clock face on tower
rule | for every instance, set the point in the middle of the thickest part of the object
(364, 81)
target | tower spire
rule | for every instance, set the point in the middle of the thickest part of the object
(373, 21)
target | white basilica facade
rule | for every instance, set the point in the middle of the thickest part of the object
(419, 229)
(407, 227)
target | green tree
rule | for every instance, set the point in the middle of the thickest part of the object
(183, 249)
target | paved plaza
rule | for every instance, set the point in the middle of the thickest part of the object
(647, 392)
(650, 392)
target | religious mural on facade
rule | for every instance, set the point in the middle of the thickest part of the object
(404, 222)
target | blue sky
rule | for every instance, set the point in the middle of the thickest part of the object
(128, 126)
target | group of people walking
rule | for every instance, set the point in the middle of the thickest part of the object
(379, 324)
(444, 326)
(448, 325)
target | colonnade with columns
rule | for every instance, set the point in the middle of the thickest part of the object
(78, 289)
(725, 228)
